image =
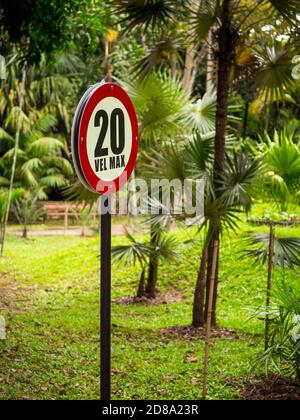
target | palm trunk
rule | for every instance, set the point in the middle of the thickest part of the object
(152, 279)
(199, 295)
(193, 58)
(210, 63)
(141, 288)
(226, 43)
(215, 297)
(210, 267)
(269, 285)
(245, 120)
(227, 37)
(14, 162)
(209, 319)
(153, 266)
(25, 232)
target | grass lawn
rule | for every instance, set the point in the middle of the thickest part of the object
(50, 299)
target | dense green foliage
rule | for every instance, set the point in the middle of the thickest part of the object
(52, 347)
(217, 99)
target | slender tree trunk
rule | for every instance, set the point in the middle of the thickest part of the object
(13, 168)
(245, 120)
(193, 58)
(269, 285)
(267, 118)
(132, 200)
(199, 295)
(226, 43)
(210, 62)
(153, 267)
(227, 37)
(141, 288)
(213, 235)
(215, 297)
(152, 279)
(209, 318)
(208, 279)
(25, 232)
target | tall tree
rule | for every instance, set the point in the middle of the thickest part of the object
(14, 162)
(227, 19)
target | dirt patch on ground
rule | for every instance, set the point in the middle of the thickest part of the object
(6, 291)
(188, 333)
(170, 296)
(11, 292)
(271, 387)
(71, 231)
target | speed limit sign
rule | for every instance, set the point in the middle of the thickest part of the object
(104, 150)
(104, 138)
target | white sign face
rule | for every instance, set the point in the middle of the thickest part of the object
(109, 139)
(104, 138)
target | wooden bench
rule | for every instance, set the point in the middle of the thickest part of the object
(63, 210)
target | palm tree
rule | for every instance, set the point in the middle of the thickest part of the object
(281, 177)
(27, 210)
(15, 194)
(277, 251)
(194, 159)
(280, 183)
(161, 246)
(14, 156)
(27, 107)
(283, 352)
(41, 160)
(163, 108)
(227, 19)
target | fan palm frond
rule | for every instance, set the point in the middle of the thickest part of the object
(239, 179)
(287, 8)
(286, 250)
(273, 78)
(166, 247)
(76, 192)
(166, 163)
(163, 52)
(161, 103)
(202, 114)
(132, 253)
(281, 158)
(220, 216)
(149, 13)
(204, 18)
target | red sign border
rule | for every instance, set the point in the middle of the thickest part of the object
(97, 184)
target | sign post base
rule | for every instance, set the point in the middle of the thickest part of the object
(105, 321)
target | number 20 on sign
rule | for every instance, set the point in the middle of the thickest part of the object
(104, 138)
(104, 151)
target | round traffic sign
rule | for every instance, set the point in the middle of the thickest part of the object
(104, 138)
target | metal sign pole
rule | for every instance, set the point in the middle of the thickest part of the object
(104, 170)
(105, 321)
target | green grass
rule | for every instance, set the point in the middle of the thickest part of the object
(52, 345)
